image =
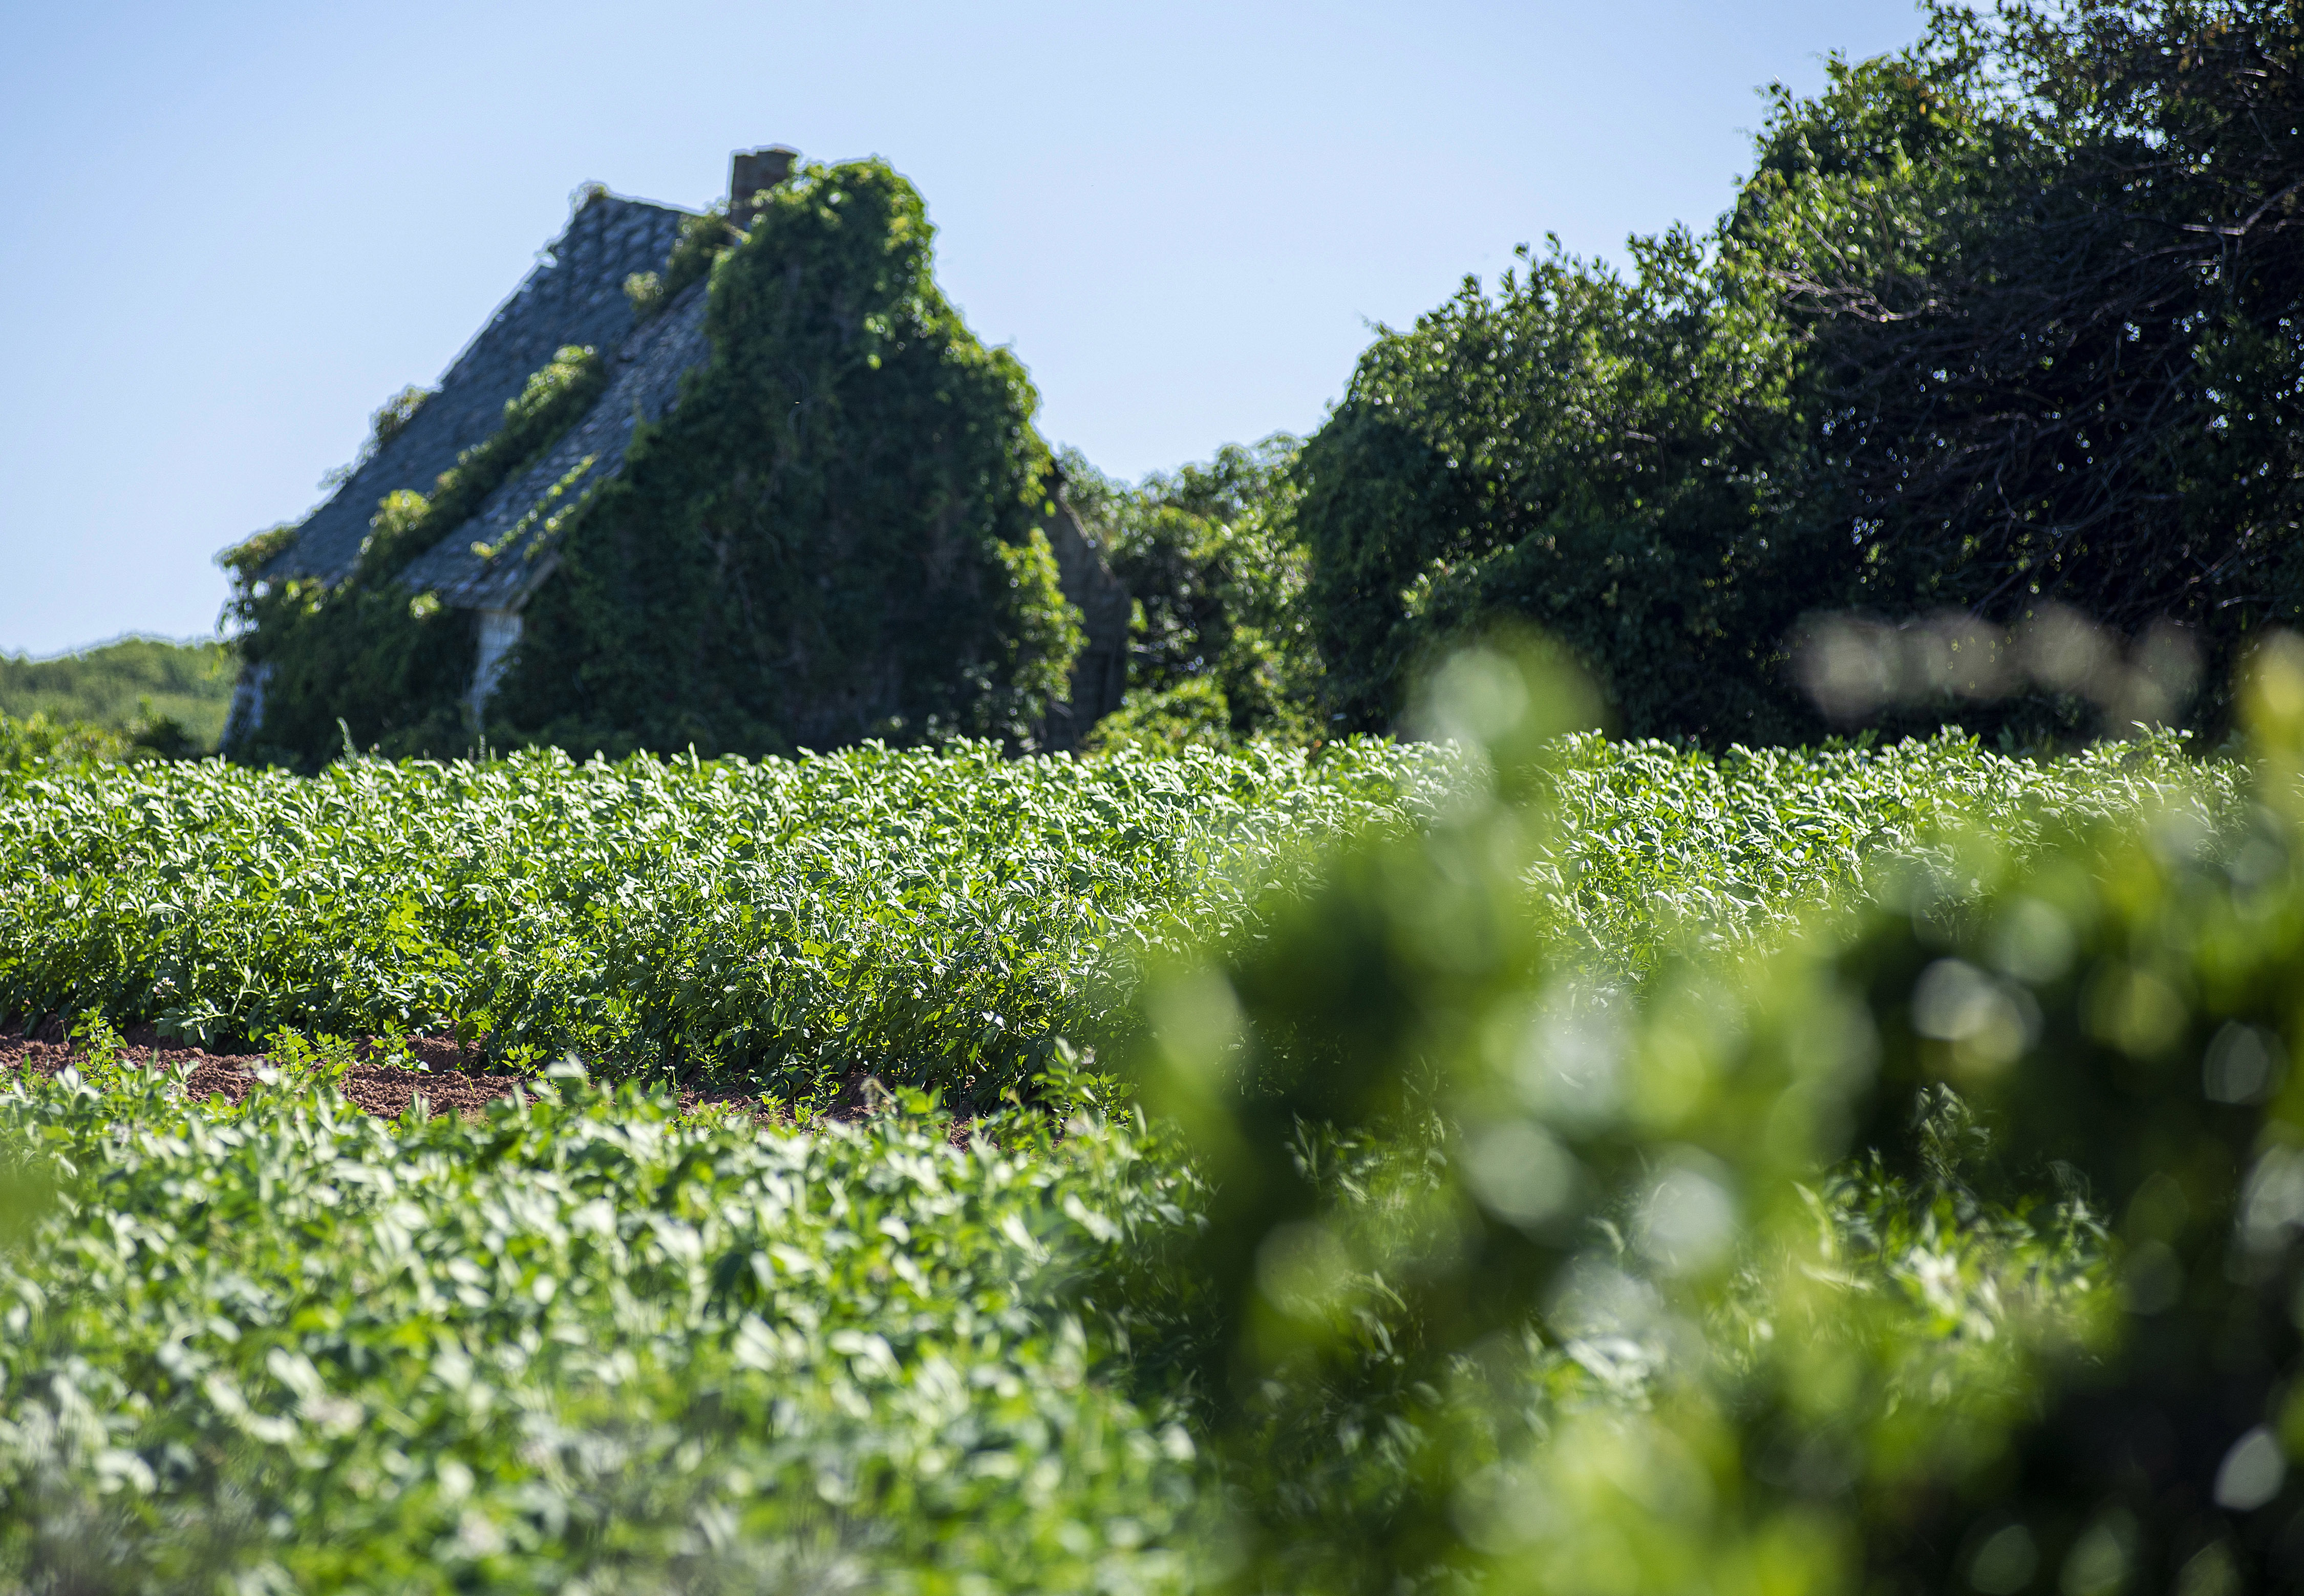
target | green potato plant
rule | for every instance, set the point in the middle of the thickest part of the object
(582, 1344)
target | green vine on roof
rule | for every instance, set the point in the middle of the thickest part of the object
(386, 422)
(369, 658)
(554, 399)
(703, 239)
(836, 535)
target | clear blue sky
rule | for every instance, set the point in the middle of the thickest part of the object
(233, 229)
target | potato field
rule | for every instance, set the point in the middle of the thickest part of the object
(1523, 1160)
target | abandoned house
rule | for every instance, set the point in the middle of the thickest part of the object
(493, 563)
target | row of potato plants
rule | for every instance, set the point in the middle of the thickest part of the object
(937, 917)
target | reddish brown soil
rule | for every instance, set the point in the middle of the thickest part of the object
(453, 1077)
(446, 1083)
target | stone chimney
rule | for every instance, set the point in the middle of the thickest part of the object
(751, 170)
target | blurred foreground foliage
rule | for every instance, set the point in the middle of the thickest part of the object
(2023, 1059)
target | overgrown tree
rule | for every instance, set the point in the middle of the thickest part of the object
(1605, 456)
(2009, 319)
(2048, 266)
(1220, 648)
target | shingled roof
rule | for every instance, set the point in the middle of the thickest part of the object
(575, 295)
(496, 559)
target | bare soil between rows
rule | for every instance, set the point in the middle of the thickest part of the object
(453, 1076)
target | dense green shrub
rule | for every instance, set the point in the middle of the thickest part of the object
(2002, 321)
(356, 666)
(833, 537)
(1194, 713)
(1597, 455)
(1220, 648)
(35, 744)
(2046, 266)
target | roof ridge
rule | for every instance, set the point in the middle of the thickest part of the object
(472, 565)
(572, 294)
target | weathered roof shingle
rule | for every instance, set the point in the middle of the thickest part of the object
(497, 559)
(575, 295)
